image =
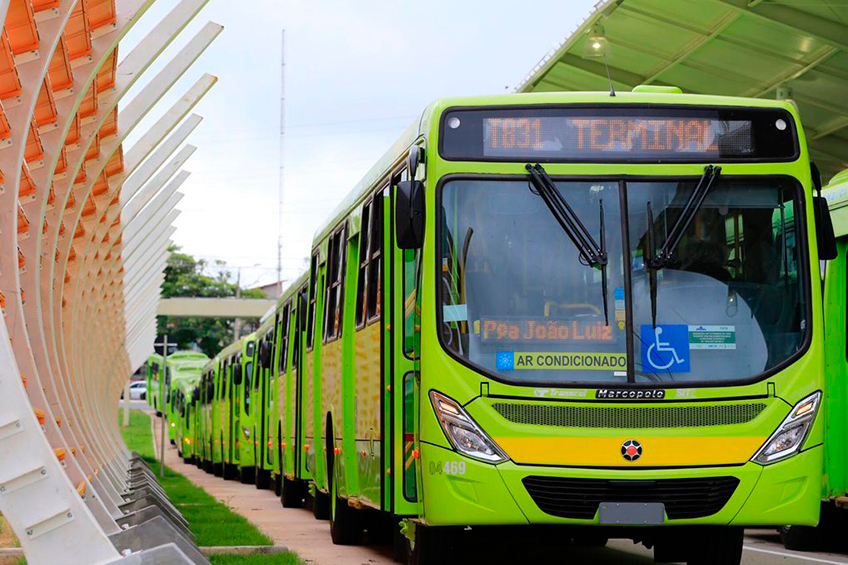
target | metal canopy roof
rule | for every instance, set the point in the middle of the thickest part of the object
(728, 47)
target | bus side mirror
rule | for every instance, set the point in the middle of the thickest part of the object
(409, 214)
(825, 235)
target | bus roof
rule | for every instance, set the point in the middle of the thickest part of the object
(420, 128)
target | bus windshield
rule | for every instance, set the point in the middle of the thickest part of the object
(518, 301)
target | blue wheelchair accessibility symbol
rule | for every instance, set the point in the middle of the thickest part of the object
(666, 348)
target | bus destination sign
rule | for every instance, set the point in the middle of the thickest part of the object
(621, 133)
(597, 135)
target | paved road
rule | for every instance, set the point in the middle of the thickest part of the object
(310, 538)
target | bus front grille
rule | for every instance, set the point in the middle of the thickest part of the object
(579, 498)
(625, 417)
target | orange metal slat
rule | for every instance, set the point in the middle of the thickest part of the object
(101, 13)
(106, 74)
(74, 132)
(60, 68)
(110, 126)
(116, 162)
(93, 149)
(20, 26)
(23, 223)
(41, 5)
(62, 163)
(78, 33)
(34, 149)
(5, 128)
(88, 108)
(10, 83)
(26, 192)
(101, 185)
(45, 106)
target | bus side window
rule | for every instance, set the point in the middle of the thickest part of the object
(284, 340)
(334, 280)
(362, 277)
(375, 260)
(313, 289)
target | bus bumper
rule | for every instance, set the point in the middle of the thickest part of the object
(785, 493)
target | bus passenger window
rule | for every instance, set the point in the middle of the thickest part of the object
(362, 279)
(284, 340)
(313, 290)
(375, 251)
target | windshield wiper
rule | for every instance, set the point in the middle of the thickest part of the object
(653, 263)
(592, 254)
(696, 199)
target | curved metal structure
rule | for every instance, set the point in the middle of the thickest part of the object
(84, 228)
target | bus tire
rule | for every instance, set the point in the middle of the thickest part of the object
(432, 546)
(719, 546)
(400, 545)
(247, 475)
(292, 493)
(321, 505)
(278, 485)
(218, 469)
(263, 479)
(800, 538)
(345, 524)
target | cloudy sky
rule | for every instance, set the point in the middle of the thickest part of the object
(357, 73)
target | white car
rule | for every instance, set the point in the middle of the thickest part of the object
(138, 391)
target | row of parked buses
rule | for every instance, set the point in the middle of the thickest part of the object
(565, 314)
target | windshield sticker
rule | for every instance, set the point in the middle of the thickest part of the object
(455, 313)
(620, 315)
(712, 337)
(512, 360)
(559, 393)
(665, 348)
(544, 330)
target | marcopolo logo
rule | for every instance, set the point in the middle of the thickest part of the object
(630, 394)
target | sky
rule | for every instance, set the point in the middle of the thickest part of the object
(357, 73)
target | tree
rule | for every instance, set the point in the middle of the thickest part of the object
(186, 276)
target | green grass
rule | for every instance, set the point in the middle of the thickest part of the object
(275, 559)
(211, 521)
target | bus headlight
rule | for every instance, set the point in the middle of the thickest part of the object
(791, 433)
(463, 432)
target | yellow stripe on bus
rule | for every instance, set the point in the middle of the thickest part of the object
(666, 451)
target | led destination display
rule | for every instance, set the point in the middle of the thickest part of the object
(618, 133)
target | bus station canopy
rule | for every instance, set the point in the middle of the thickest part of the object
(793, 49)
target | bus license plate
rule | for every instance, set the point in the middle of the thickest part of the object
(631, 513)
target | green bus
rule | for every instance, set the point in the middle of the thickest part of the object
(183, 415)
(179, 366)
(154, 366)
(576, 311)
(265, 417)
(232, 413)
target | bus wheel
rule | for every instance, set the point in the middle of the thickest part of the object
(321, 505)
(432, 546)
(263, 479)
(247, 475)
(218, 469)
(718, 546)
(800, 538)
(345, 524)
(278, 485)
(291, 494)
